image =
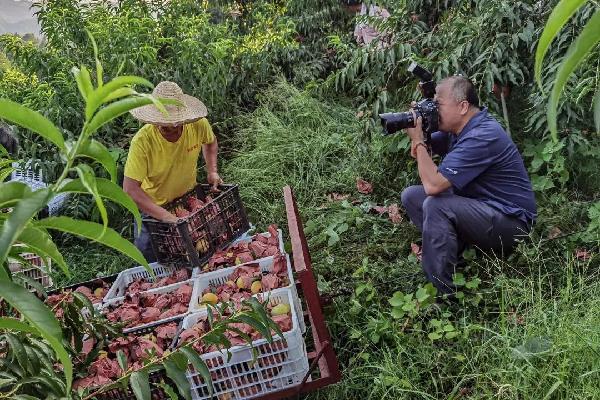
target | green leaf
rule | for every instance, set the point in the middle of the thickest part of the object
(434, 335)
(473, 283)
(120, 93)
(42, 244)
(254, 323)
(93, 231)
(178, 376)
(106, 92)
(18, 350)
(5, 173)
(397, 300)
(421, 295)
(32, 120)
(97, 151)
(122, 360)
(16, 325)
(118, 108)
(84, 81)
(578, 50)
(200, 367)
(140, 385)
(458, 279)
(53, 383)
(452, 335)
(12, 192)
(99, 69)
(259, 311)
(597, 110)
(397, 313)
(109, 190)
(179, 359)
(168, 391)
(83, 301)
(22, 213)
(28, 282)
(5, 382)
(334, 238)
(40, 318)
(88, 179)
(552, 389)
(558, 18)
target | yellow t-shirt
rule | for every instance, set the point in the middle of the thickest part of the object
(167, 170)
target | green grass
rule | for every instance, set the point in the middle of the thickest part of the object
(88, 260)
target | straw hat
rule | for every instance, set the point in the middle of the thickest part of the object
(192, 109)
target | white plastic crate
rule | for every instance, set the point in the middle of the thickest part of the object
(219, 277)
(33, 178)
(277, 366)
(125, 278)
(110, 304)
(29, 172)
(38, 270)
(247, 237)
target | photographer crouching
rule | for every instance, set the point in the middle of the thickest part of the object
(480, 195)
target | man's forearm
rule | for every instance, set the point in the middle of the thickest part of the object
(147, 206)
(210, 152)
(433, 181)
(145, 203)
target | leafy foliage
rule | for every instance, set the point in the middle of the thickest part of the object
(33, 376)
(577, 52)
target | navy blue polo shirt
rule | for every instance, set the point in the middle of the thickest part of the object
(483, 163)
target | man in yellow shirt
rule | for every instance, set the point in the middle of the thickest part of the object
(163, 157)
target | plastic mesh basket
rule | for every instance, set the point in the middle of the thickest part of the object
(277, 366)
(155, 378)
(194, 239)
(33, 178)
(219, 277)
(126, 277)
(110, 305)
(247, 237)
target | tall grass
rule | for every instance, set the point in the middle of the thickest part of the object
(293, 138)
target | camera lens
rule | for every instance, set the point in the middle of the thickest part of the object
(393, 122)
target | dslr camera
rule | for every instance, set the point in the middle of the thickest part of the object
(426, 108)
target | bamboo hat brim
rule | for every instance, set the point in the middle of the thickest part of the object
(191, 110)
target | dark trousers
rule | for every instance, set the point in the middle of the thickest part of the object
(142, 242)
(449, 223)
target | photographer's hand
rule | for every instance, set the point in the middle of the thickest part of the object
(416, 135)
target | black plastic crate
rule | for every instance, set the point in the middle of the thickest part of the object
(156, 392)
(194, 239)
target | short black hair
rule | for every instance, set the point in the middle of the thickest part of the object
(8, 140)
(462, 89)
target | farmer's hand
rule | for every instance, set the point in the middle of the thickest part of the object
(215, 180)
(168, 217)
